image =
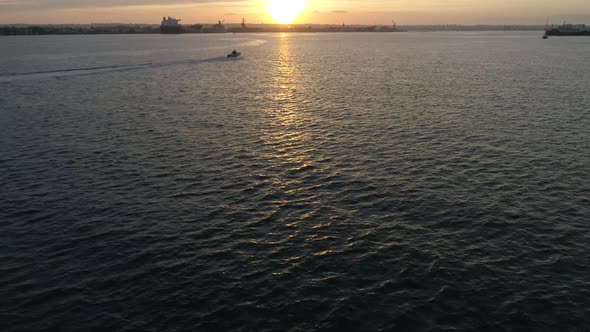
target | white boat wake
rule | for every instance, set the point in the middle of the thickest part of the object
(41, 75)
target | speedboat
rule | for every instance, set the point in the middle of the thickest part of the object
(234, 54)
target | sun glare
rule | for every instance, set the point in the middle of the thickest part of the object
(285, 11)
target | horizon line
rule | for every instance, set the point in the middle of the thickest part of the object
(296, 24)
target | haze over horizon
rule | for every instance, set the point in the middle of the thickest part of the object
(404, 12)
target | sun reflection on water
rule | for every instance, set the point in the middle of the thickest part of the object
(285, 112)
(285, 79)
(291, 156)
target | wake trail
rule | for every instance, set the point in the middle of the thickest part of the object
(68, 72)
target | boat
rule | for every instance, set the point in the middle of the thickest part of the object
(170, 25)
(217, 28)
(234, 54)
(575, 30)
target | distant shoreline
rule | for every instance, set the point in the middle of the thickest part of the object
(109, 29)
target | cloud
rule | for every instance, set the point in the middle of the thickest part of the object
(359, 11)
(13, 3)
(67, 4)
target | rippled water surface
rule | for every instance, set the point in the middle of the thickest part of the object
(321, 182)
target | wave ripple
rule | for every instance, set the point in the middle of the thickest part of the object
(430, 184)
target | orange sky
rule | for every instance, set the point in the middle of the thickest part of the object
(316, 11)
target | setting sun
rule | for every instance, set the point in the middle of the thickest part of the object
(285, 11)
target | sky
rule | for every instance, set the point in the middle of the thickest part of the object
(403, 12)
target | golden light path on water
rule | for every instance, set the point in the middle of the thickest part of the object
(293, 150)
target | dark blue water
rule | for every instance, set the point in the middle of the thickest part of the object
(322, 182)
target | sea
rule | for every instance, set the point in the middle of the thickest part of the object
(435, 181)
